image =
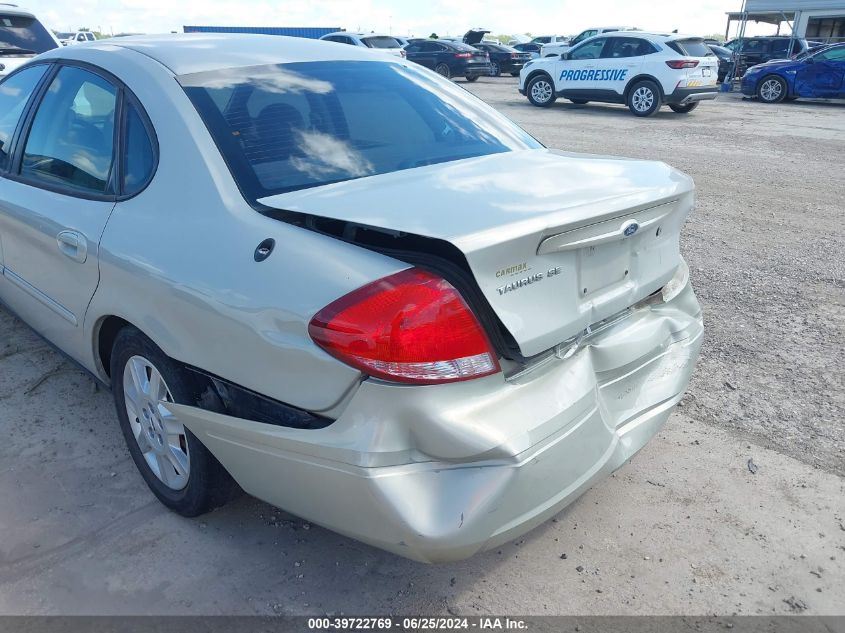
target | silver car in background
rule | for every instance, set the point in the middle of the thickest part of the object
(342, 282)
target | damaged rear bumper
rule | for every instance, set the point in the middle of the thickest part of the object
(438, 473)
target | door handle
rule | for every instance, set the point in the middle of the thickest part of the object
(74, 245)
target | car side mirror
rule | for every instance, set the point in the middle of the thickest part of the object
(564, 55)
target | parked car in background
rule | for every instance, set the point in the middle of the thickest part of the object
(641, 70)
(726, 60)
(375, 41)
(556, 48)
(504, 59)
(64, 37)
(531, 48)
(403, 41)
(450, 59)
(425, 331)
(22, 37)
(750, 51)
(820, 75)
(80, 37)
(550, 39)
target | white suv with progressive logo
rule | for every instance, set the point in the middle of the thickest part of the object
(641, 70)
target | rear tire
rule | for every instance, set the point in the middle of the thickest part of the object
(471, 78)
(541, 91)
(771, 89)
(495, 69)
(190, 481)
(514, 74)
(644, 98)
(443, 70)
(683, 109)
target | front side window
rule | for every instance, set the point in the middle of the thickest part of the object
(15, 93)
(22, 35)
(590, 50)
(584, 36)
(779, 47)
(71, 141)
(293, 126)
(832, 55)
(752, 46)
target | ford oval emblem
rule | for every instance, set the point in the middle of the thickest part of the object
(630, 229)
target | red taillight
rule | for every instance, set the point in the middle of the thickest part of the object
(411, 327)
(463, 55)
(514, 55)
(678, 64)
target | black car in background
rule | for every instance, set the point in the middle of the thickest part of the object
(503, 59)
(529, 47)
(450, 59)
(725, 60)
(757, 50)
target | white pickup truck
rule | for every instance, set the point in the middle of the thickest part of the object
(557, 47)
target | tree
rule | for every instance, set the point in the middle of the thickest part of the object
(433, 36)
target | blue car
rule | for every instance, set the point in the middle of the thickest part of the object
(818, 75)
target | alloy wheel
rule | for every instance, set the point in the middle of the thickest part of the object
(771, 90)
(541, 91)
(642, 99)
(160, 437)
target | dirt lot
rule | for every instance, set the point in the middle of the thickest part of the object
(685, 528)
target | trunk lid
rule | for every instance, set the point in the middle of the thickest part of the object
(555, 241)
(474, 36)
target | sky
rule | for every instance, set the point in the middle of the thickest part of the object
(400, 17)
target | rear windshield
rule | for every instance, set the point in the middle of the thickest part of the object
(23, 35)
(293, 126)
(381, 41)
(691, 48)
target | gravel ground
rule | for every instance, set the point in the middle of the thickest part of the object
(765, 246)
(685, 528)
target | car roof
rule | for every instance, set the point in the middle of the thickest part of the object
(184, 53)
(664, 37)
(13, 9)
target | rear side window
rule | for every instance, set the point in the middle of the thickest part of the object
(691, 48)
(71, 141)
(15, 93)
(138, 153)
(22, 35)
(380, 42)
(619, 47)
(300, 125)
